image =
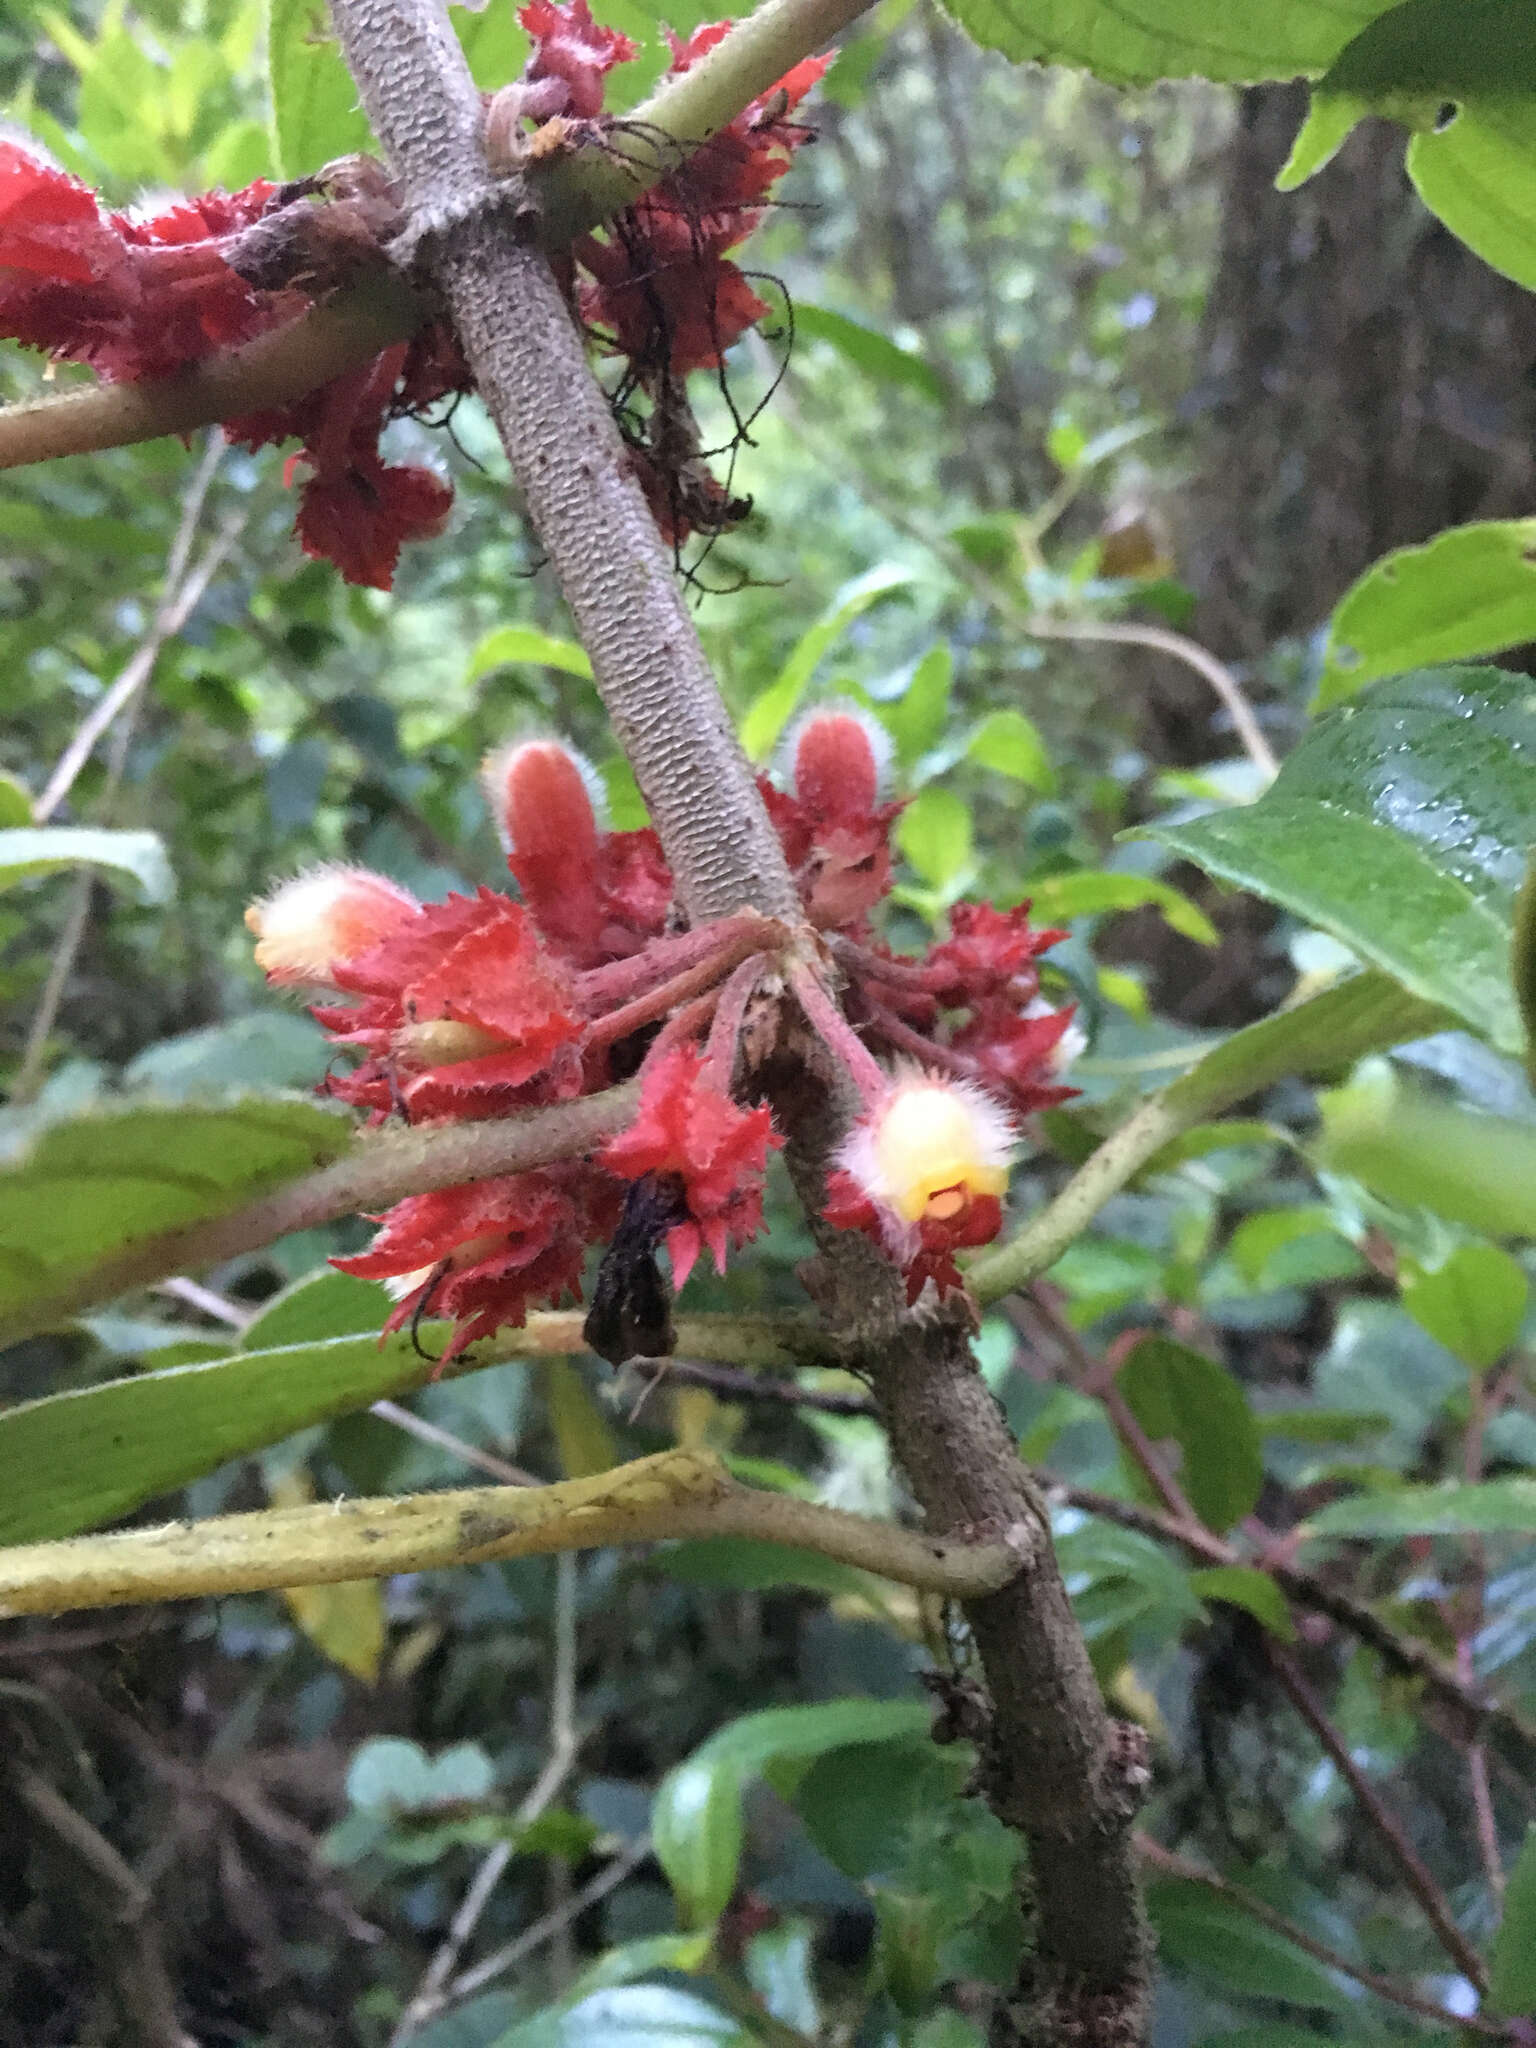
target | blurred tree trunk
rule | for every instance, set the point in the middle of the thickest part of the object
(1365, 380)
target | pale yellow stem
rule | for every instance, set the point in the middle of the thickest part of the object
(673, 1494)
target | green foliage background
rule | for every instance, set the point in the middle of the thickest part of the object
(997, 279)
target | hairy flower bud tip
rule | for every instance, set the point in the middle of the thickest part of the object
(322, 919)
(840, 758)
(546, 799)
(930, 1150)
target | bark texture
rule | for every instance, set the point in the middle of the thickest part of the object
(474, 237)
(1366, 380)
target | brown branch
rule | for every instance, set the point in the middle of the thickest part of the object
(120, 1904)
(1415, 1871)
(1169, 1864)
(376, 1172)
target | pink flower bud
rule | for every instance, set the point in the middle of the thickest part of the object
(323, 919)
(840, 756)
(542, 797)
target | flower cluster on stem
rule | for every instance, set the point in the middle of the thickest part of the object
(137, 297)
(485, 1004)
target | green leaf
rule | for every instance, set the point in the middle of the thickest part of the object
(1240, 1585)
(1291, 1248)
(509, 644)
(631, 2016)
(1215, 1939)
(1467, 592)
(315, 114)
(1512, 1965)
(1090, 892)
(915, 719)
(40, 849)
(266, 1049)
(391, 1775)
(771, 710)
(1423, 1151)
(15, 802)
(1010, 744)
(796, 1734)
(697, 1832)
(1239, 43)
(1494, 1507)
(1476, 165)
(78, 1192)
(1179, 1393)
(1326, 1034)
(1401, 825)
(1522, 962)
(1473, 1302)
(72, 1461)
(875, 354)
(934, 833)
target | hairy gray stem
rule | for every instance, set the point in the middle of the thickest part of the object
(474, 237)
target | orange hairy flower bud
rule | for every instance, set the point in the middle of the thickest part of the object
(541, 795)
(930, 1150)
(320, 920)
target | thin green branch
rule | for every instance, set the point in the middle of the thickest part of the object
(573, 194)
(376, 1172)
(673, 1494)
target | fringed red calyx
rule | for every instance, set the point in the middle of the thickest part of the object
(143, 298)
(481, 1005)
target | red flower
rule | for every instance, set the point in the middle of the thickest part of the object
(661, 287)
(360, 516)
(462, 1009)
(132, 298)
(569, 45)
(688, 1130)
(485, 1253)
(1021, 1055)
(928, 1253)
(989, 956)
(835, 833)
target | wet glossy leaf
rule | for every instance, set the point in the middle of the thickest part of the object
(696, 1827)
(1401, 825)
(632, 2016)
(1178, 1393)
(1473, 1302)
(1467, 592)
